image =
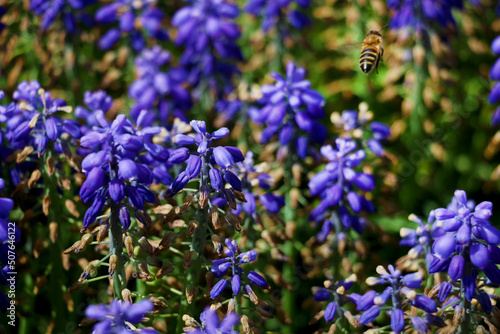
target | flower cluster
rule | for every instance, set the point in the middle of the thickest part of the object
(494, 97)
(32, 121)
(119, 317)
(94, 101)
(400, 291)
(7, 240)
(162, 94)
(335, 290)
(211, 324)
(355, 125)
(130, 14)
(336, 187)
(421, 238)
(204, 163)
(233, 261)
(469, 240)
(207, 30)
(252, 177)
(51, 9)
(415, 13)
(112, 171)
(272, 12)
(290, 106)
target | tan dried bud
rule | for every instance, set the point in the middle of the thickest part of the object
(352, 320)
(144, 218)
(163, 209)
(192, 226)
(253, 297)
(360, 248)
(231, 305)
(419, 54)
(210, 277)
(332, 329)
(341, 246)
(258, 221)
(166, 269)
(266, 235)
(146, 246)
(35, 176)
(187, 203)
(203, 196)
(294, 197)
(190, 321)
(24, 153)
(53, 234)
(264, 313)
(154, 261)
(317, 317)
(70, 205)
(34, 120)
(231, 201)
(90, 271)
(245, 324)
(191, 293)
(102, 232)
(84, 242)
(127, 295)
(189, 258)
(113, 259)
(66, 183)
(458, 314)
(481, 330)
(72, 248)
(46, 205)
(434, 291)
(159, 304)
(214, 215)
(171, 215)
(168, 238)
(37, 249)
(297, 173)
(177, 223)
(234, 220)
(239, 196)
(129, 245)
(143, 271)
(79, 285)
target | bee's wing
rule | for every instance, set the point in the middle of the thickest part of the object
(349, 47)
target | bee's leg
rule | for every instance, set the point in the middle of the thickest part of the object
(376, 65)
(381, 54)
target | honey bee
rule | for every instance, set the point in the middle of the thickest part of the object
(371, 52)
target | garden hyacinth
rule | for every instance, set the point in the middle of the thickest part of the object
(32, 122)
(49, 10)
(272, 12)
(422, 238)
(179, 174)
(120, 317)
(335, 290)
(494, 96)
(415, 14)
(354, 125)
(207, 30)
(401, 291)
(233, 261)
(160, 93)
(252, 177)
(7, 245)
(203, 161)
(336, 187)
(291, 106)
(127, 13)
(211, 324)
(112, 170)
(468, 242)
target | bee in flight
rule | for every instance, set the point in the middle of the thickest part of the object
(371, 51)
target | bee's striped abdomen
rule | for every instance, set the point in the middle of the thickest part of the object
(368, 59)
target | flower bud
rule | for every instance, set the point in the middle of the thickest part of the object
(127, 295)
(166, 269)
(129, 245)
(369, 315)
(330, 311)
(257, 279)
(218, 288)
(84, 242)
(113, 259)
(456, 268)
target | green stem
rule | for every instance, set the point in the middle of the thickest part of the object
(116, 248)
